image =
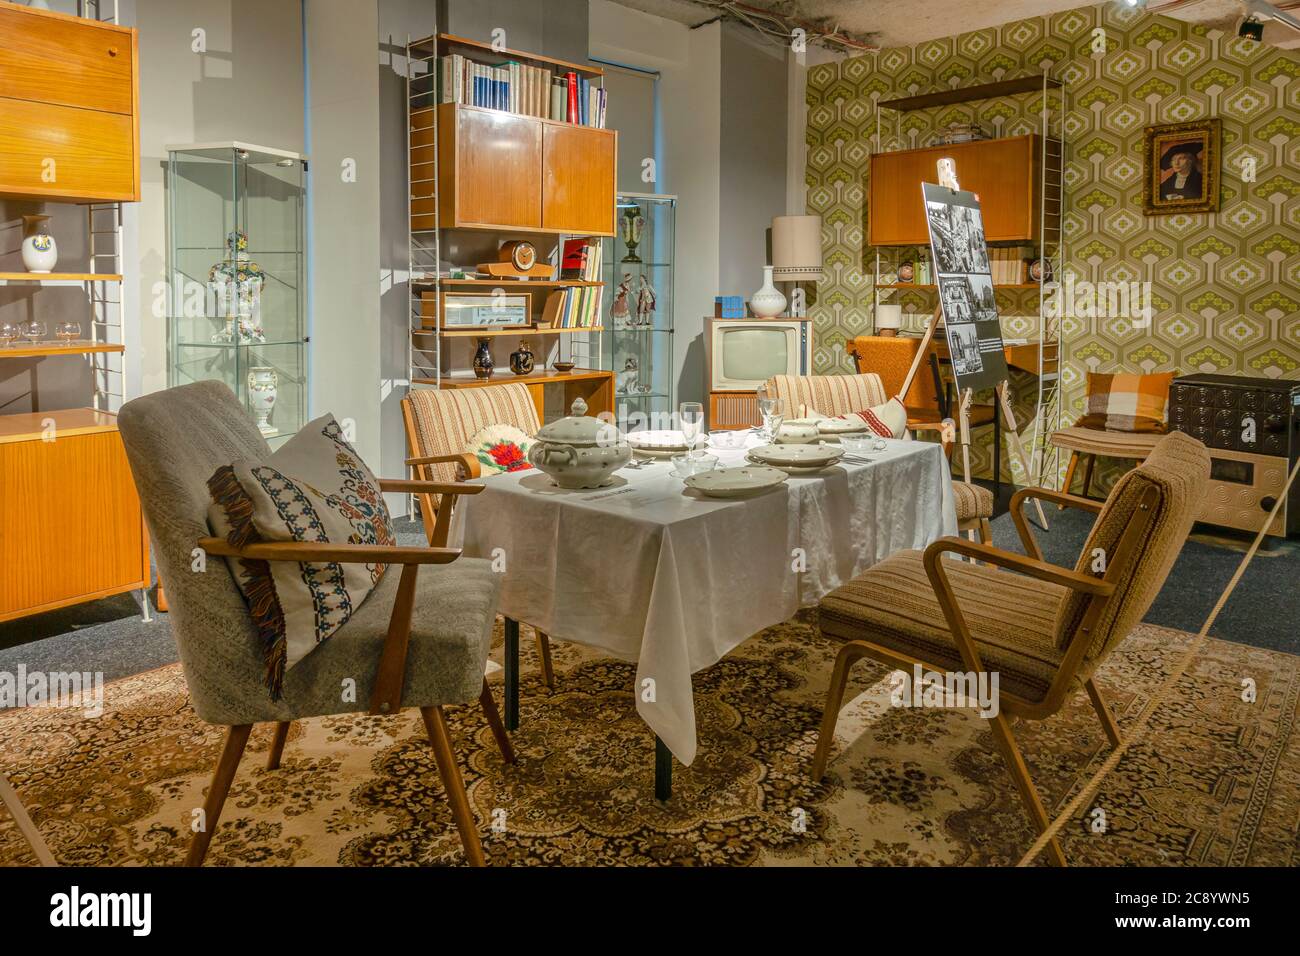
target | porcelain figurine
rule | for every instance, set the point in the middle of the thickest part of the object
(238, 282)
(620, 309)
(645, 303)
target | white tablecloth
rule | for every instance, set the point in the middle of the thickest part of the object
(652, 572)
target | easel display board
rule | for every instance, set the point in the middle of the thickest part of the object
(965, 280)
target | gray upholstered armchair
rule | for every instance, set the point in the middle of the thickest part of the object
(419, 639)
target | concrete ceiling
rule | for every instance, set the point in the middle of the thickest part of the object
(889, 23)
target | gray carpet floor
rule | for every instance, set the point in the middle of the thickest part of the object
(110, 636)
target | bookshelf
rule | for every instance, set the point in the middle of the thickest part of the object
(511, 162)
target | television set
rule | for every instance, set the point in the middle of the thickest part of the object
(741, 354)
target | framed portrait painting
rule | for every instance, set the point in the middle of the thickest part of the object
(1181, 166)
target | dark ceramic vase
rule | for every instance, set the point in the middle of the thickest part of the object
(521, 361)
(483, 359)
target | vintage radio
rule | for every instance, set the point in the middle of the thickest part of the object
(1252, 428)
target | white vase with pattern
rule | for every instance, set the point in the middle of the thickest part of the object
(263, 386)
(768, 301)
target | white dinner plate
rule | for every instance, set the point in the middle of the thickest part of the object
(798, 456)
(736, 482)
(658, 443)
(834, 426)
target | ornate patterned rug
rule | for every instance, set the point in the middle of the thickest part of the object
(1216, 782)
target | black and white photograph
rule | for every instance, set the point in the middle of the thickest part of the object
(955, 291)
(983, 301)
(964, 346)
(957, 235)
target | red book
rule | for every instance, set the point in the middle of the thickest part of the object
(572, 79)
(574, 259)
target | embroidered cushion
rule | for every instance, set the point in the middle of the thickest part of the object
(888, 420)
(313, 488)
(501, 448)
(1127, 402)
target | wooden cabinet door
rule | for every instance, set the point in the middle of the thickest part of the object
(494, 164)
(61, 152)
(1004, 172)
(70, 523)
(578, 183)
(70, 62)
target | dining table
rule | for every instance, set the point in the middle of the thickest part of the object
(651, 571)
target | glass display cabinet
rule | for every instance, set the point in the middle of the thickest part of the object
(639, 308)
(236, 264)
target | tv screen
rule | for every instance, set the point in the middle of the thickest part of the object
(750, 354)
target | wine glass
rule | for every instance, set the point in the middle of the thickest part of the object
(766, 400)
(67, 331)
(773, 412)
(691, 416)
(33, 331)
(8, 334)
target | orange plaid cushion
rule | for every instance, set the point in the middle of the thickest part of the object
(1127, 403)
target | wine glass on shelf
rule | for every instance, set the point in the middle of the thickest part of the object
(67, 331)
(691, 416)
(33, 331)
(765, 403)
(8, 334)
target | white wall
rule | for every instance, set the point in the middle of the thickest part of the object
(690, 67)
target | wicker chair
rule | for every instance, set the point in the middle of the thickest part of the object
(439, 426)
(1043, 630)
(418, 640)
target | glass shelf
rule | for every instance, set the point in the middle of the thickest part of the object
(236, 259)
(641, 354)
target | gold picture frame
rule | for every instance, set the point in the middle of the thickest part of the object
(1181, 167)
(466, 310)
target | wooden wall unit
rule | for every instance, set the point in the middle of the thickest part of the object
(69, 108)
(504, 171)
(71, 528)
(1005, 173)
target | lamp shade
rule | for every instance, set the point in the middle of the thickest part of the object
(889, 317)
(797, 248)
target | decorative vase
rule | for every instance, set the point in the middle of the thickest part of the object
(630, 228)
(767, 301)
(40, 253)
(263, 386)
(483, 364)
(521, 361)
(238, 283)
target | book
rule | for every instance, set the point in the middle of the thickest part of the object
(573, 262)
(571, 109)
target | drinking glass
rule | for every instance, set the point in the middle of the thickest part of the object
(691, 416)
(765, 403)
(773, 416)
(8, 334)
(67, 331)
(33, 331)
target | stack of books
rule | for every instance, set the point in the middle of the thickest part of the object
(579, 307)
(1008, 265)
(527, 90)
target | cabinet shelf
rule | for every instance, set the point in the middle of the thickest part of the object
(443, 43)
(425, 282)
(32, 426)
(494, 333)
(58, 348)
(468, 380)
(58, 278)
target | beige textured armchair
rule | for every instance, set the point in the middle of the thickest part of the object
(1044, 629)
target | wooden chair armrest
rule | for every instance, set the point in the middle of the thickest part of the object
(469, 466)
(417, 487)
(944, 428)
(1044, 494)
(1017, 562)
(326, 552)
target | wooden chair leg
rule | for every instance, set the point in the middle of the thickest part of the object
(1087, 475)
(489, 705)
(834, 700)
(9, 797)
(436, 726)
(160, 598)
(986, 531)
(1069, 476)
(277, 745)
(1103, 711)
(236, 739)
(544, 652)
(1020, 773)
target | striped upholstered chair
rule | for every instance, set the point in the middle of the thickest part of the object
(1042, 629)
(439, 426)
(844, 394)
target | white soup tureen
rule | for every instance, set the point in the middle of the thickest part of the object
(579, 451)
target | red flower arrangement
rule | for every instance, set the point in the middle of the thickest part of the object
(508, 456)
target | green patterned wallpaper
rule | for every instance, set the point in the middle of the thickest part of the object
(1224, 285)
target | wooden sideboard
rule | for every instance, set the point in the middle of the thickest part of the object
(1005, 173)
(71, 528)
(69, 108)
(504, 171)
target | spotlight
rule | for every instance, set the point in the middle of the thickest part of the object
(1251, 29)
(1136, 4)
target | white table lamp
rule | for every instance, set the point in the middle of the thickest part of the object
(797, 251)
(889, 319)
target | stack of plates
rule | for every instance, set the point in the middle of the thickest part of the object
(736, 482)
(658, 444)
(797, 459)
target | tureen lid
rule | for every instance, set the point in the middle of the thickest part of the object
(579, 428)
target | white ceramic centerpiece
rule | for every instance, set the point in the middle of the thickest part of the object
(767, 301)
(579, 451)
(40, 252)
